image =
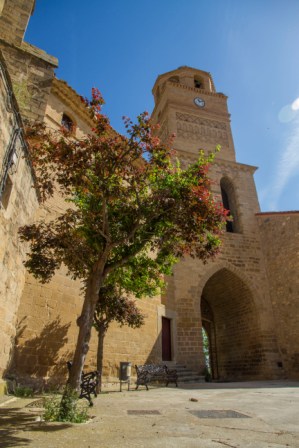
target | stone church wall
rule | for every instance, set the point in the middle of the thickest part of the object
(47, 330)
(47, 334)
(18, 204)
(280, 242)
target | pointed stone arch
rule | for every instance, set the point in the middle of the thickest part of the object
(229, 200)
(216, 266)
(233, 325)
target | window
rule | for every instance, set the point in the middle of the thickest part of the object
(198, 84)
(229, 203)
(67, 123)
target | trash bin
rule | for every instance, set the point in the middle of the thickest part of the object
(125, 373)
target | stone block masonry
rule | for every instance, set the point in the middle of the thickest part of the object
(18, 204)
(280, 242)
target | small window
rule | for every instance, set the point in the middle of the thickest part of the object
(230, 203)
(67, 123)
(226, 205)
(198, 83)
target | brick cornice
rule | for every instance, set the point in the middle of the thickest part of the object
(194, 89)
(233, 164)
(218, 162)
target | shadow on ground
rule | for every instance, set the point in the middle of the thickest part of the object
(15, 423)
(241, 385)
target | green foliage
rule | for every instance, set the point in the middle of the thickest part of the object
(206, 351)
(143, 275)
(128, 209)
(207, 374)
(23, 392)
(73, 410)
(114, 307)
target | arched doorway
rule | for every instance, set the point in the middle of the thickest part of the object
(231, 322)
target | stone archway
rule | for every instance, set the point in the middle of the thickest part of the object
(230, 318)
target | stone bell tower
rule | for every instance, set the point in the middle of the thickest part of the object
(228, 298)
(188, 105)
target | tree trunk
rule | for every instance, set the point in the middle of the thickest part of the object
(100, 353)
(85, 322)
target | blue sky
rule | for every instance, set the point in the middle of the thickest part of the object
(250, 47)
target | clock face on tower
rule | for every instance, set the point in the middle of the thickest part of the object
(199, 102)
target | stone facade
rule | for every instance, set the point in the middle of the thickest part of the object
(18, 204)
(246, 299)
(235, 287)
(48, 313)
(279, 236)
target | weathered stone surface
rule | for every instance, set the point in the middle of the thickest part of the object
(242, 332)
(280, 242)
(18, 204)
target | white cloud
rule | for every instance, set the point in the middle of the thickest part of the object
(295, 104)
(287, 114)
(288, 164)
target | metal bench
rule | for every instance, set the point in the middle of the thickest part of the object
(88, 385)
(152, 372)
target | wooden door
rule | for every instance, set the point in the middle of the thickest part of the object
(166, 339)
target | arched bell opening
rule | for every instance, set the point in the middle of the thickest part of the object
(230, 203)
(230, 320)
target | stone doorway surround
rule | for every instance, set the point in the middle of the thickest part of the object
(162, 311)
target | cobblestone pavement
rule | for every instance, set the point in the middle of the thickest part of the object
(236, 415)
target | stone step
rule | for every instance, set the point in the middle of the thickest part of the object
(186, 375)
(192, 379)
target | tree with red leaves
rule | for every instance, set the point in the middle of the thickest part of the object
(132, 207)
